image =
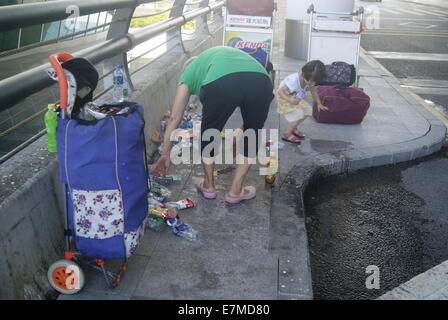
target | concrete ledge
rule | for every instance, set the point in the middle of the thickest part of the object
(31, 236)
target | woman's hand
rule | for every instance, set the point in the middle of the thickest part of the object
(180, 101)
(162, 165)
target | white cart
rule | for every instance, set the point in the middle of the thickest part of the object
(335, 36)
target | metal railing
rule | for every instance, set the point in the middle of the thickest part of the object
(111, 52)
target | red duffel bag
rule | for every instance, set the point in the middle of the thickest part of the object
(346, 105)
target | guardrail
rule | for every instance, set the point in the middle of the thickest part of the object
(111, 52)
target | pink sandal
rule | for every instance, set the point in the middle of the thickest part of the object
(207, 194)
(298, 134)
(250, 195)
(290, 137)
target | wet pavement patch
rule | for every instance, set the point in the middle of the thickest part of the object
(394, 218)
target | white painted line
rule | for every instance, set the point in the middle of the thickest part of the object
(432, 20)
(418, 25)
(426, 86)
(410, 12)
(389, 11)
(428, 83)
(429, 91)
(404, 34)
(409, 56)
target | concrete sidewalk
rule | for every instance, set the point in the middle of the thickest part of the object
(258, 249)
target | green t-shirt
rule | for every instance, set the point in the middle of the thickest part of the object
(215, 63)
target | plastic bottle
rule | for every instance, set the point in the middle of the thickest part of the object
(163, 213)
(50, 119)
(155, 223)
(272, 169)
(181, 204)
(160, 190)
(126, 90)
(154, 203)
(177, 147)
(170, 178)
(182, 229)
(157, 197)
(118, 84)
(270, 145)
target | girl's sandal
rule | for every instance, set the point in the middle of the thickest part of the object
(298, 134)
(290, 137)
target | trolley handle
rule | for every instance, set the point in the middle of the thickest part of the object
(310, 9)
(356, 13)
(55, 61)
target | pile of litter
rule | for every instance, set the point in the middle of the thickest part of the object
(161, 211)
(187, 133)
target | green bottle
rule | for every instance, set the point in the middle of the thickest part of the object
(51, 123)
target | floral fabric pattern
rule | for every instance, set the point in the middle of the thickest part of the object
(98, 214)
(132, 239)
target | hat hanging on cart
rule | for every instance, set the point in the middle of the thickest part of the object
(77, 79)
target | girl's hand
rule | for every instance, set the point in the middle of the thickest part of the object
(162, 165)
(294, 101)
(321, 107)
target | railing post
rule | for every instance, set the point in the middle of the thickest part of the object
(119, 27)
(176, 11)
(218, 16)
(201, 22)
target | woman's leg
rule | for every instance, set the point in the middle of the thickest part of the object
(238, 180)
(209, 182)
(254, 110)
(219, 100)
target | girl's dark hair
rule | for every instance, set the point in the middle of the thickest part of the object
(314, 70)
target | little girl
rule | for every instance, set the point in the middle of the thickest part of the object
(291, 93)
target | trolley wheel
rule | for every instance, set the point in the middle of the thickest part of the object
(124, 268)
(66, 277)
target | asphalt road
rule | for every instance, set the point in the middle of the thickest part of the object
(411, 41)
(393, 217)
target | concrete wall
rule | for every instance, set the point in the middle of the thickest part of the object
(31, 211)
